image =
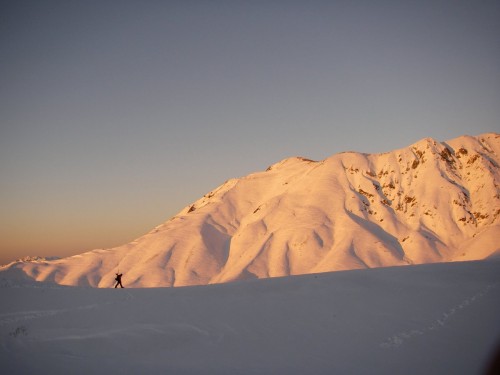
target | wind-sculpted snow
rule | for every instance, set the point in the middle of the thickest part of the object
(430, 202)
(430, 319)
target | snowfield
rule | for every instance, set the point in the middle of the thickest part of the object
(427, 319)
(413, 235)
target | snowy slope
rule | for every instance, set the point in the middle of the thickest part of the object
(428, 320)
(430, 202)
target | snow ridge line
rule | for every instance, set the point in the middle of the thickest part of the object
(21, 316)
(398, 339)
(36, 314)
(6, 319)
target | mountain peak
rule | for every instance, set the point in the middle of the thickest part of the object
(288, 162)
(429, 202)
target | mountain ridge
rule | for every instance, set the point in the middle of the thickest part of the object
(428, 202)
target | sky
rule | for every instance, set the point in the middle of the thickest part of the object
(114, 115)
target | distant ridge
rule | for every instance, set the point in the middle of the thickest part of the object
(429, 202)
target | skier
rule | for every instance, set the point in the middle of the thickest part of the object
(118, 279)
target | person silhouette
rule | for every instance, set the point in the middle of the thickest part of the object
(118, 279)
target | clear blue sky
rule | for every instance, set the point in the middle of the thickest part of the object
(114, 115)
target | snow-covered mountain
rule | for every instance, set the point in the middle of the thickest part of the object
(430, 202)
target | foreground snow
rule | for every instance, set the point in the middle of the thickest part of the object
(429, 319)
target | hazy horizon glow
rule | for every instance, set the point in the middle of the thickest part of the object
(116, 115)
